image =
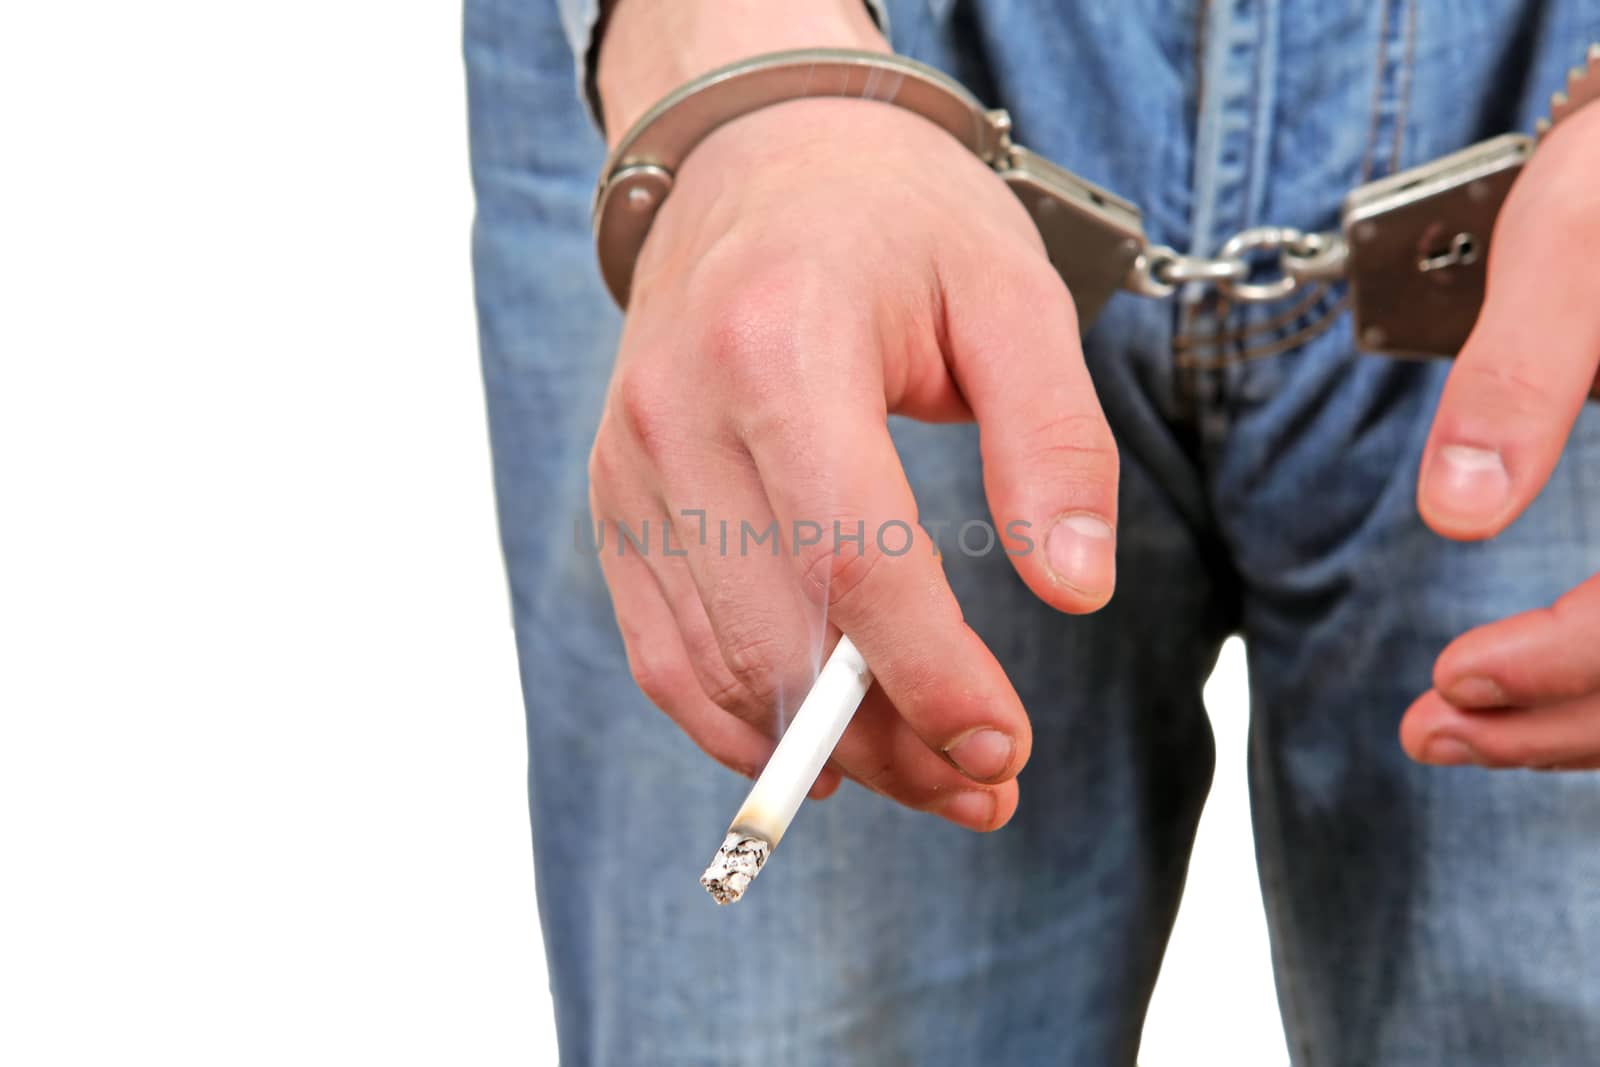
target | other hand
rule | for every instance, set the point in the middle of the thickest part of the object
(1524, 691)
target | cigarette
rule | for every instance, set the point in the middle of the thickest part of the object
(788, 776)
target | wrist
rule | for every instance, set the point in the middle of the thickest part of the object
(651, 47)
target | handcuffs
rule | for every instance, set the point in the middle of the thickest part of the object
(1413, 246)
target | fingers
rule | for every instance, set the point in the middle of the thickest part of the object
(1522, 692)
(1049, 461)
(1550, 737)
(677, 658)
(1530, 362)
(736, 576)
(879, 749)
(880, 581)
(1539, 657)
(751, 639)
(772, 641)
(661, 668)
(902, 767)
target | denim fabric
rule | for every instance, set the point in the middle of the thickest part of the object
(579, 19)
(1419, 916)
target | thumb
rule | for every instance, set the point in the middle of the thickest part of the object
(1049, 461)
(1523, 375)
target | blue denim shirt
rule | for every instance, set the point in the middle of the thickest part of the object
(578, 21)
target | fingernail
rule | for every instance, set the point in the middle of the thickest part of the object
(1476, 693)
(982, 754)
(1448, 751)
(1082, 552)
(974, 809)
(1467, 483)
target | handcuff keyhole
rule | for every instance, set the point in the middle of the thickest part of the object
(1460, 251)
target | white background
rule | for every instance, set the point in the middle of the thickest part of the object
(261, 753)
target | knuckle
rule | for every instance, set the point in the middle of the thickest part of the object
(716, 682)
(838, 580)
(730, 694)
(657, 674)
(644, 408)
(723, 687)
(750, 331)
(1563, 211)
(1044, 288)
(979, 315)
(1080, 441)
(1033, 289)
(1506, 390)
(752, 660)
(604, 468)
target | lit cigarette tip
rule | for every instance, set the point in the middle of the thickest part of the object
(735, 866)
(789, 774)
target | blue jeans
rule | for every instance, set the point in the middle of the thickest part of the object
(1418, 916)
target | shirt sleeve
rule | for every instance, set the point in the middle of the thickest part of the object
(580, 18)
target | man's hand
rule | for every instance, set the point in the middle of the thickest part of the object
(1525, 691)
(819, 265)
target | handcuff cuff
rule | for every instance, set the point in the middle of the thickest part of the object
(1414, 246)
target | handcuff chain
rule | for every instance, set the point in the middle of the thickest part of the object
(1292, 259)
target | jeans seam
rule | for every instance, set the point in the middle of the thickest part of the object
(1396, 15)
(1270, 846)
(1278, 899)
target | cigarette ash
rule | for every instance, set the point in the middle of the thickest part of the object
(734, 867)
